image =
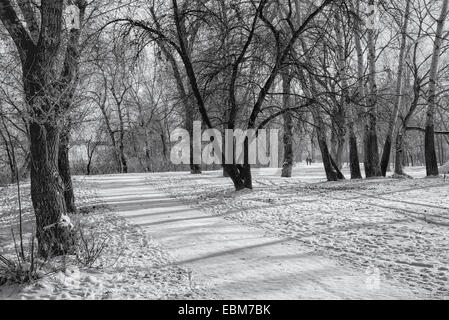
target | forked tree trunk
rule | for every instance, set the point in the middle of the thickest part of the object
(240, 175)
(333, 173)
(45, 85)
(288, 127)
(47, 192)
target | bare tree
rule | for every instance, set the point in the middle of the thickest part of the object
(47, 87)
(431, 158)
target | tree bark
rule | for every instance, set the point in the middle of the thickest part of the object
(429, 140)
(44, 88)
(10, 153)
(64, 170)
(288, 126)
(354, 161)
(385, 160)
(372, 165)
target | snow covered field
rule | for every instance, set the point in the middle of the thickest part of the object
(133, 266)
(398, 229)
(383, 229)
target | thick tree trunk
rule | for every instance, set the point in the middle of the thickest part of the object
(288, 127)
(354, 161)
(399, 159)
(45, 85)
(331, 173)
(240, 175)
(338, 134)
(64, 170)
(330, 167)
(123, 160)
(385, 159)
(431, 157)
(47, 192)
(429, 140)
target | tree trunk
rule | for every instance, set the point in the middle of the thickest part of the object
(398, 94)
(429, 140)
(44, 86)
(372, 165)
(121, 149)
(9, 147)
(354, 161)
(194, 168)
(64, 170)
(288, 127)
(330, 167)
(186, 98)
(338, 133)
(47, 192)
(240, 175)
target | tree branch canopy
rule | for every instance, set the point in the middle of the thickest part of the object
(424, 130)
(30, 18)
(16, 30)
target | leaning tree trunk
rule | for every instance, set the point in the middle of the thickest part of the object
(185, 96)
(64, 169)
(429, 141)
(385, 160)
(333, 173)
(288, 127)
(9, 147)
(399, 158)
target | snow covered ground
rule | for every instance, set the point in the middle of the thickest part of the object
(133, 266)
(388, 230)
(398, 229)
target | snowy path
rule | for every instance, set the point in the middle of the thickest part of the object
(235, 261)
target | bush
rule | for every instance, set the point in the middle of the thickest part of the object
(23, 267)
(89, 247)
